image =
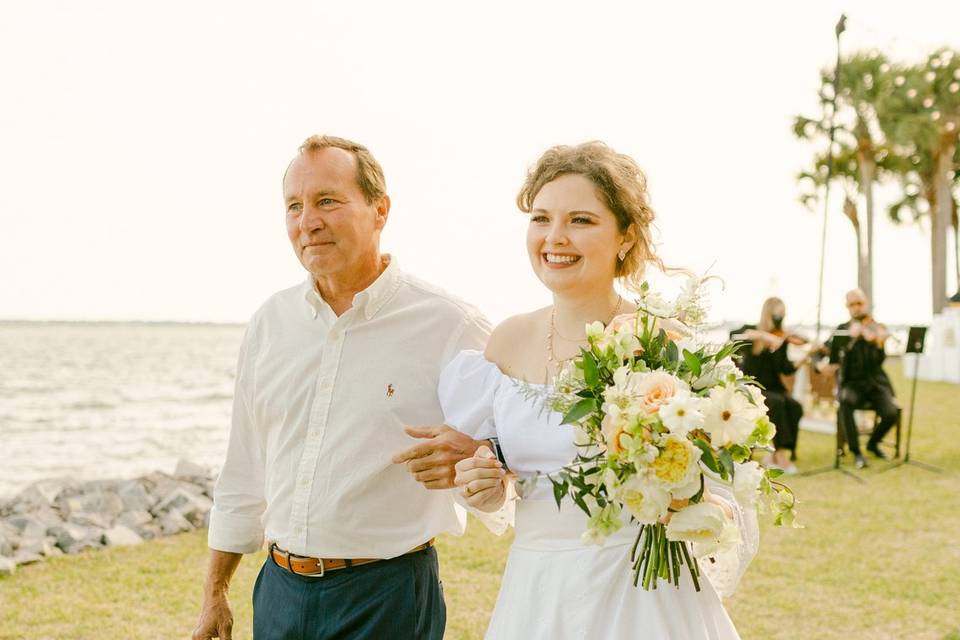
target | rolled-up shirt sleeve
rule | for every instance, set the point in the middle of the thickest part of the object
(236, 524)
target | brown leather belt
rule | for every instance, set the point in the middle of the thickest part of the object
(317, 567)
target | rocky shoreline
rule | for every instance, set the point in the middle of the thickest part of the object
(64, 516)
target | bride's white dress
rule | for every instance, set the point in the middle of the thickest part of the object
(554, 586)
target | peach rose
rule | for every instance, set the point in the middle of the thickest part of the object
(655, 390)
(623, 321)
(674, 329)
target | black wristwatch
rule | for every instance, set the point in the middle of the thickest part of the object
(497, 451)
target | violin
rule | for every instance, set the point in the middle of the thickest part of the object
(790, 337)
(868, 329)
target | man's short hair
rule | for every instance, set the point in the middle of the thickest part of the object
(369, 172)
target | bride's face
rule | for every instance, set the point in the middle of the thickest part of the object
(573, 238)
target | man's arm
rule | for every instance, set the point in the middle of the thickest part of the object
(216, 618)
(235, 524)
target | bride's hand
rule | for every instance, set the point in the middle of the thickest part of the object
(483, 480)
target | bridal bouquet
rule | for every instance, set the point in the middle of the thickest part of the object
(655, 412)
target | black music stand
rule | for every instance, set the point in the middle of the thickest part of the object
(838, 349)
(915, 340)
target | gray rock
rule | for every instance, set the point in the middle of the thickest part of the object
(191, 506)
(90, 520)
(107, 505)
(28, 526)
(7, 566)
(44, 547)
(134, 519)
(70, 535)
(26, 557)
(149, 531)
(119, 536)
(187, 469)
(44, 492)
(83, 545)
(174, 522)
(9, 536)
(134, 496)
(48, 516)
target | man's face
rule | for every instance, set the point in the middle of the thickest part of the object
(857, 306)
(331, 226)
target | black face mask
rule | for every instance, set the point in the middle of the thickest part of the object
(777, 321)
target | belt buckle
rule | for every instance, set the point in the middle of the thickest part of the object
(306, 575)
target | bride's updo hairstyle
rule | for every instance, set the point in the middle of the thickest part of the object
(619, 183)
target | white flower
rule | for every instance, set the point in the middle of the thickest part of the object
(716, 373)
(728, 539)
(624, 393)
(654, 304)
(594, 330)
(682, 414)
(701, 522)
(688, 490)
(602, 523)
(746, 481)
(612, 426)
(643, 455)
(728, 417)
(758, 399)
(645, 501)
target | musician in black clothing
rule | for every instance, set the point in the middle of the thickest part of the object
(862, 378)
(766, 360)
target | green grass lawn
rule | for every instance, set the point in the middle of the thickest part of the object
(878, 560)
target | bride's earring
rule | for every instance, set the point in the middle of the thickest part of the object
(622, 254)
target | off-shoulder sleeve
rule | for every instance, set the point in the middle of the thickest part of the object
(729, 566)
(468, 385)
(467, 389)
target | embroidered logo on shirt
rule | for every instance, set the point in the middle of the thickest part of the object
(389, 390)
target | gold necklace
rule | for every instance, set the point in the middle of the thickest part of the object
(551, 330)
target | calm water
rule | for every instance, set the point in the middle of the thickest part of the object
(99, 400)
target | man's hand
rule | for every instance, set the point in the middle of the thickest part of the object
(432, 462)
(216, 618)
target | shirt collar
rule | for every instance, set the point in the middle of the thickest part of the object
(368, 302)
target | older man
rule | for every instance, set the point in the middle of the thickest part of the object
(862, 378)
(329, 373)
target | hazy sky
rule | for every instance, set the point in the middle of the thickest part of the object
(142, 144)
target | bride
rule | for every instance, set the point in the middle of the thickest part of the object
(589, 226)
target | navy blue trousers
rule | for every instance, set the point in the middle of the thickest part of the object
(397, 599)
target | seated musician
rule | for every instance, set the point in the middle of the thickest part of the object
(766, 360)
(862, 378)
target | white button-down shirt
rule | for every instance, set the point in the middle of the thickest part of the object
(319, 409)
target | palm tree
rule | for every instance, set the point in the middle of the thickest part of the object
(922, 118)
(865, 82)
